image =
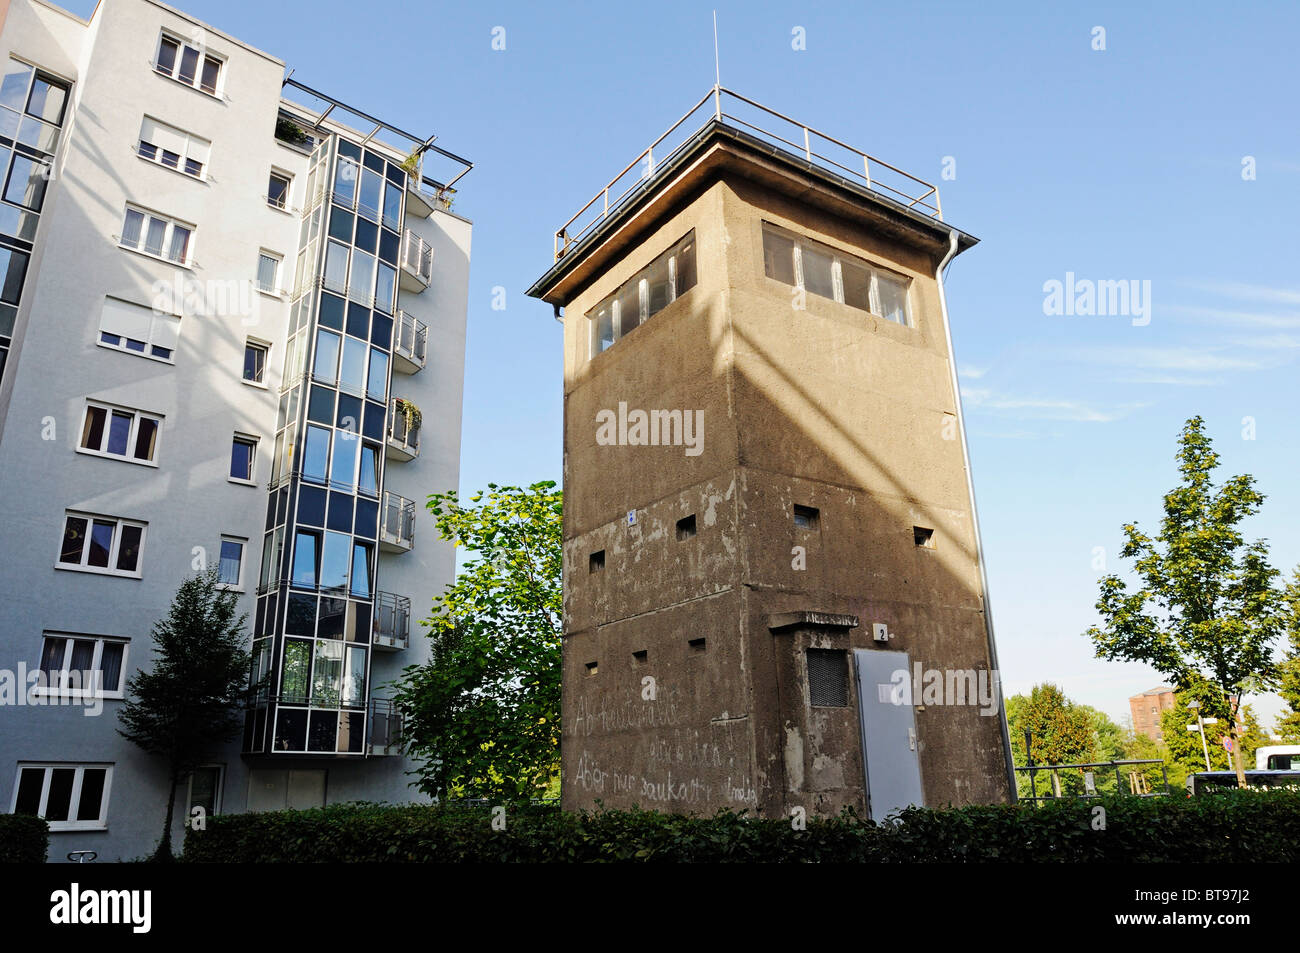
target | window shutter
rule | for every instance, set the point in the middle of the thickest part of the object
(166, 331)
(163, 136)
(125, 319)
(199, 149)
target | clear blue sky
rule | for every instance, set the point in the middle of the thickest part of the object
(1119, 164)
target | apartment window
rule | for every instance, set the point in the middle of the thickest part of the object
(368, 471)
(204, 790)
(662, 282)
(132, 327)
(173, 148)
(31, 106)
(230, 570)
(119, 432)
(255, 362)
(242, 453)
(102, 544)
(361, 562)
(828, 273)
(306, 559)
(188, 64)
(83, 665)
(268, 272)
(156, 235)
(71, 797)
(277, 190)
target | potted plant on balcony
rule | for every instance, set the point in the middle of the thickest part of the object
(409, 412)
(286, 130)
(412, 163)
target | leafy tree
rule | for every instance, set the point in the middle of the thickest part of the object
(483, 714)
(191, 702)
(1206, 613)
(1288, 723)
(1061, 732)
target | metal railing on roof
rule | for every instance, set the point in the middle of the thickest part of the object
(815, 147)
(322, 107)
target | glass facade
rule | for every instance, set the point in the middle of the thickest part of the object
(32, 107)
(316, 595)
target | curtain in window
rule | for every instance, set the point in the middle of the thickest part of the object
(52, 658)
(110, 666)
(266, 266)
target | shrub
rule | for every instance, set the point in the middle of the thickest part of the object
(1233, 827)
(24, 839)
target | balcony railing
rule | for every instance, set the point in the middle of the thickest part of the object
(392, 622)
(409, 343)
(417, 263)
(721, 105)
(385, 728)
(397, 524)
(403, 438)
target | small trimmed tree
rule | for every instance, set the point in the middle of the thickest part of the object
(192, 700)
(1206, 612)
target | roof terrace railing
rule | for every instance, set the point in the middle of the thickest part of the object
(723, 105)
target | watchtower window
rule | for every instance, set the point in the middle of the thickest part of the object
(639, 299)
(806, 517)
(829, 273)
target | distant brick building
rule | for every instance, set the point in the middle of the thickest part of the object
(1147, 709)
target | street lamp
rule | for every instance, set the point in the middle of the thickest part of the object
(1200, 726)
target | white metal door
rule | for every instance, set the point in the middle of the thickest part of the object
(888, 731)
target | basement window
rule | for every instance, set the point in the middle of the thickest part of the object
(596, 562)
(806, 517)
(828, 678)
(696, 645)
(686, 527)
(924, 537)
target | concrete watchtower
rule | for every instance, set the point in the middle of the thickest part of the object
(774, 595)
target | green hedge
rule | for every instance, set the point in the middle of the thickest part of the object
(24, 839)
(1236, 826)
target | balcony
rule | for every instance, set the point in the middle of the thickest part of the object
(385, 735)
(397, 524)
(410, 341)
(392, 622)
(403, 430)
(417, 263)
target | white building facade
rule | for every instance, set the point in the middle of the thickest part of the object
(232, 336)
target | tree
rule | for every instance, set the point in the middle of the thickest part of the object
(1061, 732)
(483, 714)
(1206, 613)
(192, 700)
(1288, 723)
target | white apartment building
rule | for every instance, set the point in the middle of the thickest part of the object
(232, 335)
